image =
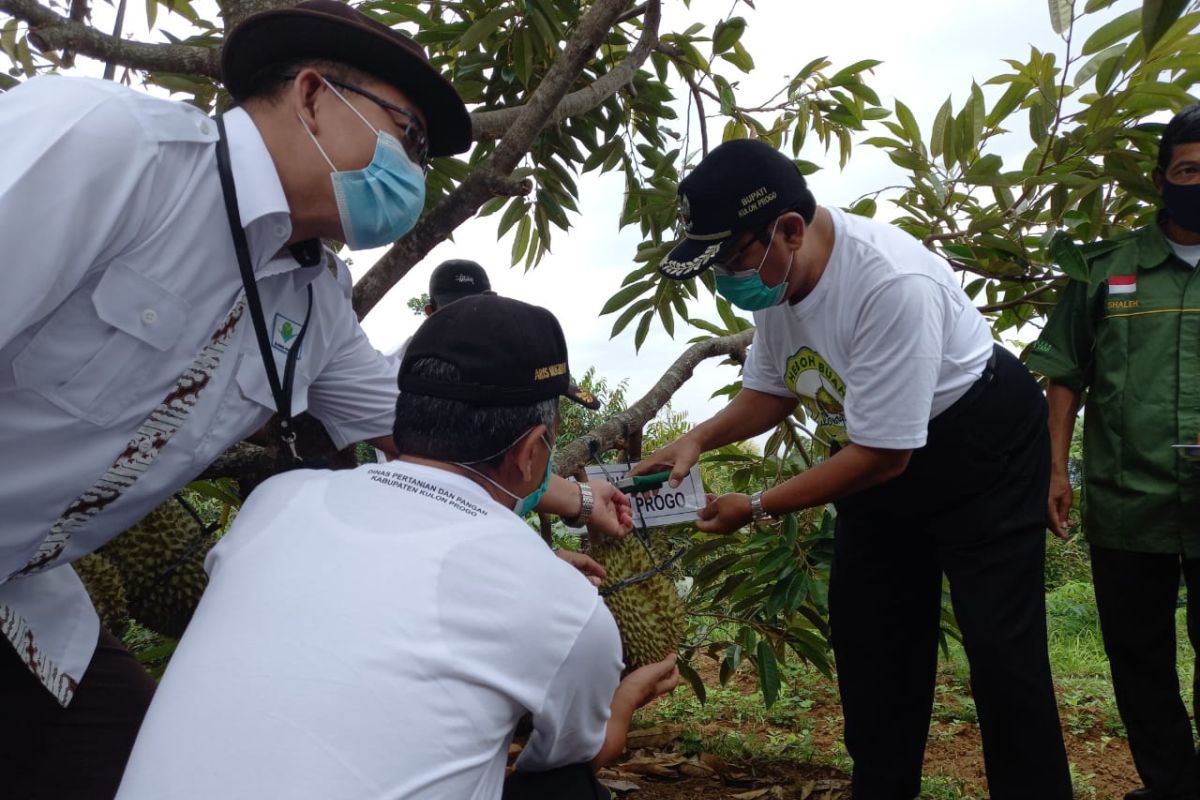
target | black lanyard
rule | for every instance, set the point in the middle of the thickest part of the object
(282, 392)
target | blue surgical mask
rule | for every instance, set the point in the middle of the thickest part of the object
(382, 201)
(529, 502)
(746, 290)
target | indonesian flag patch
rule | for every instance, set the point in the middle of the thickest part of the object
(1122, 284)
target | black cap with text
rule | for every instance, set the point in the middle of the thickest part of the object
(742, 185)
(507, 353)
(455, 279)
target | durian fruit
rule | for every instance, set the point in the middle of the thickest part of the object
(163, 580)
(106, 588)
(649, 613)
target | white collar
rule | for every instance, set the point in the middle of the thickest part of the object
(259, 190)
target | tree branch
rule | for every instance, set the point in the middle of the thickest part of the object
(579, 452)
(540, 111)
(1026, 298)
(493, 124)
(55, 32)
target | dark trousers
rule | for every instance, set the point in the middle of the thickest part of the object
(971, 505)
(48, 752)
(576, 782)
(1136, 595)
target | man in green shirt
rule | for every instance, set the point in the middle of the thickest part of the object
(1130, 338)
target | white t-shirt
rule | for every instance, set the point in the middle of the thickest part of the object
(1188, 253)
(886, 341)
(377, 633)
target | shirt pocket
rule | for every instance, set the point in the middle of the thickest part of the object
(96, 352)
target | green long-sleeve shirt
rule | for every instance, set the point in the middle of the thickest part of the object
(1130, 337)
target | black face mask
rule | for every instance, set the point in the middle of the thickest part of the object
(1182, 201)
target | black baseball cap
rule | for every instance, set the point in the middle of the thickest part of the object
(742, 185)
(455, 279)
(508, 353)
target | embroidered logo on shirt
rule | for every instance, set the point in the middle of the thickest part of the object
(821, 391)
(1122, 284)
(284, 332)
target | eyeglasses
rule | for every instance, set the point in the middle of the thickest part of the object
(728, 265)
(413, 138)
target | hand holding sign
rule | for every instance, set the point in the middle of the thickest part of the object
(666, 506)
(680, 456)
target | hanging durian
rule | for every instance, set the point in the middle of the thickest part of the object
(161, 559)
(649, 613)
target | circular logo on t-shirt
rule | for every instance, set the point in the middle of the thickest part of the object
(821, 392)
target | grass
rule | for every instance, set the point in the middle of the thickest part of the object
(736, 725)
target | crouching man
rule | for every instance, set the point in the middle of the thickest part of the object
(377, 633)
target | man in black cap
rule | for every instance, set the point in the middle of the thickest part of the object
(166, 293)
(453, 280)
(412, 616)
(939, 463)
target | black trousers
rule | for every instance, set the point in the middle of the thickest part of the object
(1136, 595)
(971, 505)
(48, 752)
(576, 782)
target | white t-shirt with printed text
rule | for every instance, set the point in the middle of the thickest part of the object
(885, 342)
(376, 634)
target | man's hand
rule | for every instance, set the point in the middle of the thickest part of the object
(725, 514)
(611, 513)
(680, 455)
(1059, 506)
(648, 683)
(591, 569)
(635, 690)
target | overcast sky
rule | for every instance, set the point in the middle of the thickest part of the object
(929, 49)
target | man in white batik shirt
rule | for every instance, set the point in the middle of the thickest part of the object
(128, 356)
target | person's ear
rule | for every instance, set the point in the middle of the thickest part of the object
(793, 228)
(304, 94)
(526, 453)
(429, 309)
(1158, 177)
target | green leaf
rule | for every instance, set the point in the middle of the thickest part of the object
(939, 129)
(1060, 15)
(515, 211)
(643, 328)
(768, 673)
(689, 674)
(625, 295)
(1068, 256)
(216, 490)
(520, 244)
(908, 122)
(1112, 32)
(726, 34)
(1157, 17)
(482, 28)
(1093, 64)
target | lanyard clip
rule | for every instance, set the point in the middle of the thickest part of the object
(289, 438)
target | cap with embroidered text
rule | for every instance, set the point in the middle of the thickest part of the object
(507, 353)
(742, 185)
(455, 279)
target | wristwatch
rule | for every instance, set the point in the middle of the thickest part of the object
(586, 503)
(757, 512)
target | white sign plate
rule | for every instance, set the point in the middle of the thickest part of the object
(666, 506)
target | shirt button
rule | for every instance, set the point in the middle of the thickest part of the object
(280, 231)
(203, 126)
(145, 445)
(149, 316)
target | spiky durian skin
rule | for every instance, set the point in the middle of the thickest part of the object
(151, 549)
(106, 587)
(649, 614)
